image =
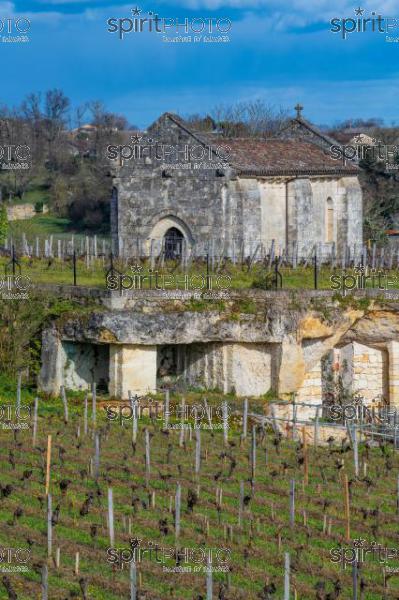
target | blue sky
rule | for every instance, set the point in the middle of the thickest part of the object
(280, 52)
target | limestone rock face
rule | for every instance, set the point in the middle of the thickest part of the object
(311, 327)
(376, 327)
(283, 345)
(126, 327)
(292, 367)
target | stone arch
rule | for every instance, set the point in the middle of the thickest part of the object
(171, 222)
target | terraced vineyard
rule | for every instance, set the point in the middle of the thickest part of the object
(223, 507)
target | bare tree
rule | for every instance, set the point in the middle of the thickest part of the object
(250, 119)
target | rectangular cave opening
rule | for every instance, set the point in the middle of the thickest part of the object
(86, 364)
(170, 364)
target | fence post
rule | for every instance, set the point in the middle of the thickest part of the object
(197, 451)
(292, 503)
(19, 384)
(35, 422)
(245, 419)
(111, 518)
(133, 580)
(97, 456)
(253, 453)
(49, 526)
(355, 451)
(166, 410)
(74, 266)
(286, 576)
(44, 582)
(241, 504)
(209, 586)
(225, 423)
(315, 270)
(94, 404)
(354, 580)
(65, 403)
(48, 464)
(147, 456)
(177, 511)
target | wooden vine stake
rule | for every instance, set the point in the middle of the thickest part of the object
(48, 464)
(253, 454)
(94, 403)
(241, 504)
(111, 518)
(209, 582)
(225, 423)
(292, 503)
(182, 422)
(133, 580)
(49, 526)
(19, 384)
(65, 403)
(166, 410)
(346, 507)
(197, 452)
(147, 456)
(305, 458)
(286, 576)
(34, 437)
(44, 582)
(177, 512)
(77, 563)
(245, 419)
(85, 416)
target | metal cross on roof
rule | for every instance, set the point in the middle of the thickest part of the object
(299, 109)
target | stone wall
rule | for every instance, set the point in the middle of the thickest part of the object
(364, 370)
(311, 391)
(244, 369)
(19, 212)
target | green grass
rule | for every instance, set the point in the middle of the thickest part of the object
(60, 271)
(42, 225)
(257, 555)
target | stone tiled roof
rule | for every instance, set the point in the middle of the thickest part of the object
(299, 124)
(253, 156)
(274, 156)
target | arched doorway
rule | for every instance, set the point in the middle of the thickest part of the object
(173, 243)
